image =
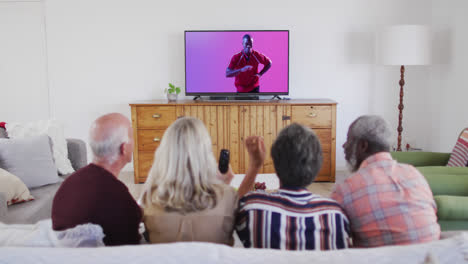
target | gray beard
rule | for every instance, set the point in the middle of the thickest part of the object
(351, 164)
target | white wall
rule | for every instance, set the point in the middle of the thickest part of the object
(23, 63)
(103, 54)
(448, 90)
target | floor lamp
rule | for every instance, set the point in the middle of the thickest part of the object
(404, 45)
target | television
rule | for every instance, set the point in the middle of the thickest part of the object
(236, 63)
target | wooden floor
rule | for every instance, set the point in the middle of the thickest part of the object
(321, 188)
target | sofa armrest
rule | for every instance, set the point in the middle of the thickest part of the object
(420, 159)
(77, 153)
(3, 133)
(3, 206)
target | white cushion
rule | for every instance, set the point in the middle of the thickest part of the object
(30, 159)
(54, 130)
(13, 188)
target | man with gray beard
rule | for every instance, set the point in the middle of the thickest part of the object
(387, 203)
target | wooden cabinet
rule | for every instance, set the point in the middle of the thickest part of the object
(229, 123)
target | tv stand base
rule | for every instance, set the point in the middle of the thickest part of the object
(218, 98)
(227, 98)
(277, 97)
(245, 98)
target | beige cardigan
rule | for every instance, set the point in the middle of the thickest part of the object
(210, 225)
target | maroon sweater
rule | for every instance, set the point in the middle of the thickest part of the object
(93, 195)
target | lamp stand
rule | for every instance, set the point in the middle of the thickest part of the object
(401, 106)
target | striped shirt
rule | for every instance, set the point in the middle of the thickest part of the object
(291, 219)
(388, 204)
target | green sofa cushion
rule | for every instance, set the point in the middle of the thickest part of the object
(446, 180)
(419, 159)
(443, 170)
(448, 184)
(452, 207)
(453, 225)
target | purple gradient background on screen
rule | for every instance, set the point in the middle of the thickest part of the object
(208, 55)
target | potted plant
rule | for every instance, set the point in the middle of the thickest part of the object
(172, 92)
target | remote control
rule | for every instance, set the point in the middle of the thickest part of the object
(223, 161)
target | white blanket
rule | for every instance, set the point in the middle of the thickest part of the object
(41, 234)
(453, 250)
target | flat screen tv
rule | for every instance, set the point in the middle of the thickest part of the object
(237, 63)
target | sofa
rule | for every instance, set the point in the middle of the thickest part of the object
(449, 250)
(449, 186)
(41, 207)
(39, 243)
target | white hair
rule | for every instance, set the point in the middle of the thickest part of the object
(108, 148)
(183, 175)
(373, 129)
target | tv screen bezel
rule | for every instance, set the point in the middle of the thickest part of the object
(231, 94)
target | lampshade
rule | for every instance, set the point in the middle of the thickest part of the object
(405, 45)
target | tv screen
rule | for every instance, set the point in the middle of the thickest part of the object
(237, 62)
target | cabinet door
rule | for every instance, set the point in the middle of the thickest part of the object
(145, 162)
(265, 121)
(320, 118)
(325, 136)
(222, 125)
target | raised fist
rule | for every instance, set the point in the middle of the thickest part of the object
(256, 149)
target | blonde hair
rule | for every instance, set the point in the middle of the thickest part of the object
(183, 175)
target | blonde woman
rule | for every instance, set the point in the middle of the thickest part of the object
(185, 198)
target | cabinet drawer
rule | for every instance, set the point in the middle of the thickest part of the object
(155, 117)
(145, 161)
(149, 140)
(312, 116)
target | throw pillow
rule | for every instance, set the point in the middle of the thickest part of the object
(459, 156)
(54, 130)
(30, 159)
(13, 188)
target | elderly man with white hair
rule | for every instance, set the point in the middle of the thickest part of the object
(386, 202)
(93, 194)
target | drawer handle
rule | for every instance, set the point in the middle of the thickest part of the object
(156, 139)
(312, 115)
(156, 116)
